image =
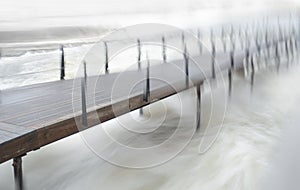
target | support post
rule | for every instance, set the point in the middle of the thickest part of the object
(62, 63)
(198, 106)
(18, 173)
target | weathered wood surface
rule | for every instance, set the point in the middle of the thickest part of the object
(34, 116)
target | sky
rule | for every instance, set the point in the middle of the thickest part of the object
(26, 14)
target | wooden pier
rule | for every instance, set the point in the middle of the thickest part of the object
(36, 115)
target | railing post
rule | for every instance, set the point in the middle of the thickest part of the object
(252, 72)
(291, 47)
(213, 55)
(106, 58)
(277, 57)
(147, 89)
(141, 111)
(83, 97)
(164, 49)
(139, 54)
(62, 64)
(18, 173)
(186, 63)
(287, 51)
(198, 106)
(230, 72)
(247, 59)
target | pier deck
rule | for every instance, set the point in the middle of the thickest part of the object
(36, 115)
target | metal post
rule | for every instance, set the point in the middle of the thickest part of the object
(277, 57)
(186, 63)
(252, 72)
(139, 65)
(229, 81)
(213, 55)
(291, 47)
(139, 54)
(84, 71)
(164, 49)
(287, 52)
(18, 173)
(198, 106)
(247, 59)
(62, 64)
(147, 89)
(83, 98)
(106, 58)
(232, 59)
